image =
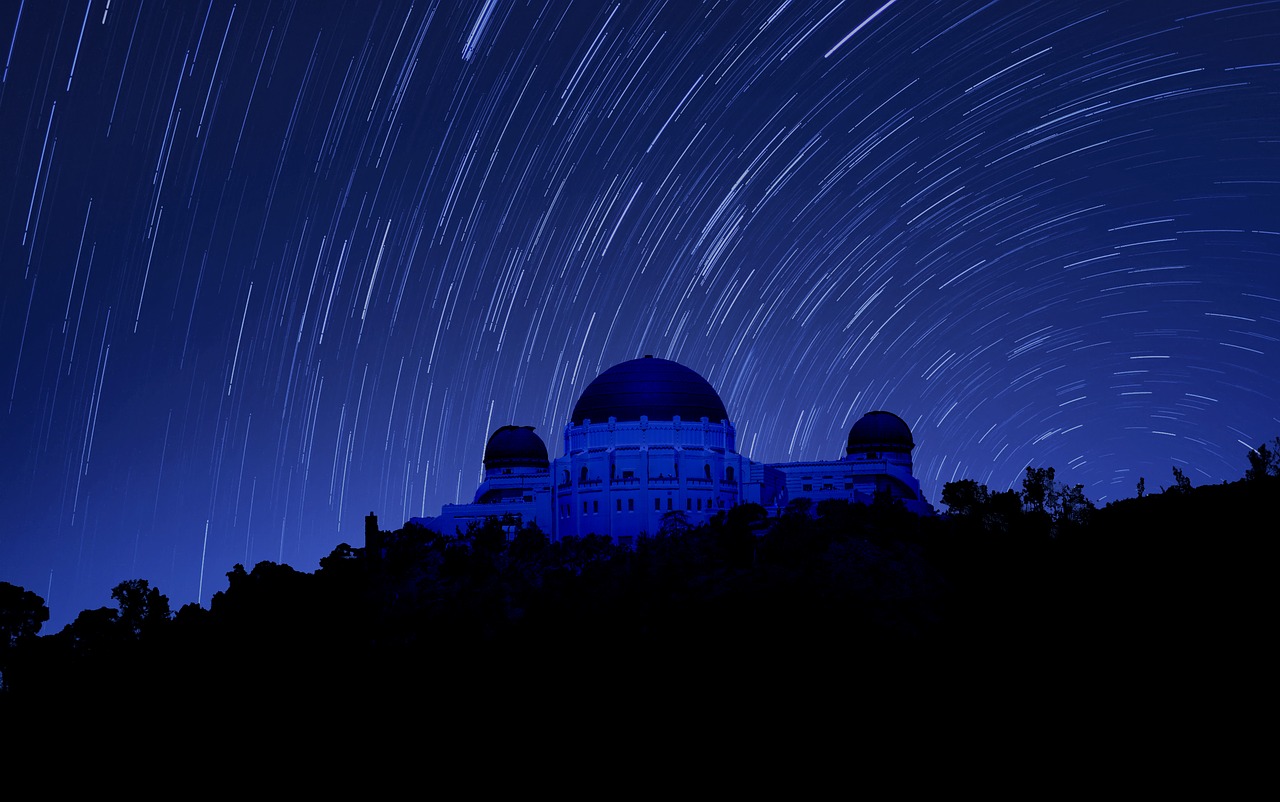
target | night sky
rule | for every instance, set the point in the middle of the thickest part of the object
(266, 266)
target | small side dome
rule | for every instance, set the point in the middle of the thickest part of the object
(657, 388)
(516, 447)
(880, 431)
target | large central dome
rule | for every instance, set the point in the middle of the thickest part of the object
(658, 388)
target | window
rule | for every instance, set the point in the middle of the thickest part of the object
(619, 505)
(583, 475)
(595, 506)
(728, 473)
(688, 504)
(584, 506)
(657, 503)
(628, 474)
(631, 505)
(699, 505)
(808, 487)
(668, 504)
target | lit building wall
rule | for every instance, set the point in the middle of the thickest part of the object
(622, 477)
(650, 438)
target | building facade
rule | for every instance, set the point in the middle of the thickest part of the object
(650, 437)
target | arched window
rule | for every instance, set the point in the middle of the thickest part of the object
(728, 474)
(583, 475)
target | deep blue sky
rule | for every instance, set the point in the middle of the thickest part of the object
(267, 266)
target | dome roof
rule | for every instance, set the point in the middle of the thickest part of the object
(880, 431)
(658, 388)
(515, 447)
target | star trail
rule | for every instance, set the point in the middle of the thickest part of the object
(270, 265)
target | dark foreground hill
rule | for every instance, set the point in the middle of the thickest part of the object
(839, 607)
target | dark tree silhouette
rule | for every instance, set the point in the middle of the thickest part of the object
(1009, 578)
(1004, 512)
(528, 545)
(801, 506)
(93, 631)
(736, 532)
(1038, 492)
(674, 524)
(1264, 461)
(22, 613)
(142, 607)
(965, 497)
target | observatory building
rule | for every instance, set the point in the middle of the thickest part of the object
(649, 437)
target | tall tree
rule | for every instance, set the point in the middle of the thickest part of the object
(1264, 461)
(965, 497)
(22, 613)
(142, 607)
(1075, 508)
(1038, 491)
(1181, 484)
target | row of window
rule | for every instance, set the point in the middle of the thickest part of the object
(594, 506)
(584, 475)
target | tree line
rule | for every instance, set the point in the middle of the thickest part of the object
(1028, 572)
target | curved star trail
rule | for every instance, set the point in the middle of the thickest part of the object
(268, 266)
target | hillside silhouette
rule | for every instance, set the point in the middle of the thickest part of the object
(1009, 589)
